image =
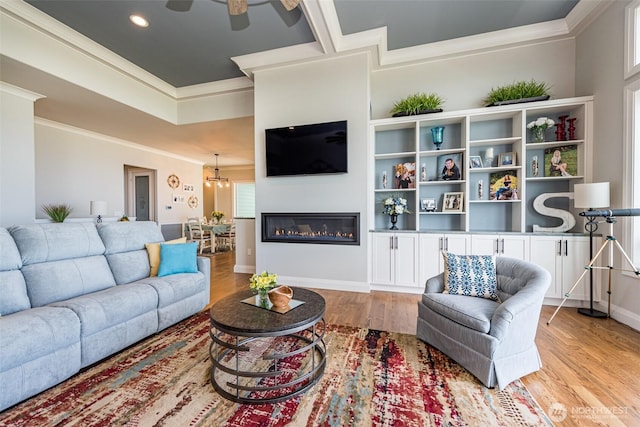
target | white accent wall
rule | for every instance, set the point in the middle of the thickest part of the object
(321, 91)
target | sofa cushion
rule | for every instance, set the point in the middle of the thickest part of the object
(178, 258)
(121, 237)
(127, 267)
(52, 242)
(49, 282)
(176, 287)
(12, 287)
(470, 275)
(153, 250)
(472, 312)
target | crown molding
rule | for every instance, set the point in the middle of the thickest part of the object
(213, 88)
(18, 91)
(277, 57)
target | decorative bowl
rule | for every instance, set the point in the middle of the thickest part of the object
(280, 296)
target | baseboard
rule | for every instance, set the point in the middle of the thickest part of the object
(623, 315)
(248, 269)
(332, 285)
(399, 289)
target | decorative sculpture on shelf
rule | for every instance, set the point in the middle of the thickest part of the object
(437, 133)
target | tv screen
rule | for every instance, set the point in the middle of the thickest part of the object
(308, 149)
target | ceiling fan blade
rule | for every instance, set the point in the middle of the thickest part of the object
(237, 7)
(290, 4)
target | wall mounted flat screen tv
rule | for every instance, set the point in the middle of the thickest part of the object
(307, 150)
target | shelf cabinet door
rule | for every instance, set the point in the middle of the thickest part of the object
(431, 247)
(516, 246)
(395, 259)
(383, 258)
(546, 252)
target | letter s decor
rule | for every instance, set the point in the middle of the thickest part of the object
(568, 220)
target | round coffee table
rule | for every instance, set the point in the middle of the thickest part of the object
(263, 356)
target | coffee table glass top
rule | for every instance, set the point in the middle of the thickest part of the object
(233, 315)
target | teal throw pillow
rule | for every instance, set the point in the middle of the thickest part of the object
(471, 275)
(178, 258)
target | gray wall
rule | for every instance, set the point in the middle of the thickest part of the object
(600, 71)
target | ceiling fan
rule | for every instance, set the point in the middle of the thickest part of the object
(236, 7)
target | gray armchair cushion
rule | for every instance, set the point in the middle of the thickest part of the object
(472, 312)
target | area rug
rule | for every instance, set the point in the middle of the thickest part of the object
(372, 378)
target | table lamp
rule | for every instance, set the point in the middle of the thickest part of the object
(591, 196)
(98, 208)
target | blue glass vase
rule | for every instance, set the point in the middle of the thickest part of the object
(437, 133)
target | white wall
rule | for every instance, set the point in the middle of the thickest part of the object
(75, 166)
(465, 81)
(321, 91)
(602, 75)
(17, 176)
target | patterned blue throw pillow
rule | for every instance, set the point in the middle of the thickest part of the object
(471, 275)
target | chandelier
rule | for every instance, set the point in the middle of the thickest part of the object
(217, 178)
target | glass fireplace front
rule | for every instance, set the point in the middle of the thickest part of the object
(327, 228)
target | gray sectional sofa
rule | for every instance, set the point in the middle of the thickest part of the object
(72, 294)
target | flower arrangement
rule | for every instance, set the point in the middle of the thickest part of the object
(395, 205)
(263, 282)
(218, 215)
(538, 127)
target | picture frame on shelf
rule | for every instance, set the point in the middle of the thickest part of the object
(428, 205)
(449, 167)
(453, 202)
(475, 162)
(561, 161)
(503, 185)
(507, 159)
(405, 175)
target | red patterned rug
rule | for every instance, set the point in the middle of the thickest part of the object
(372, 378)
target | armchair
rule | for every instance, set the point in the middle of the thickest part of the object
(494, 340)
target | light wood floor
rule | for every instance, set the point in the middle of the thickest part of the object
(591, 367)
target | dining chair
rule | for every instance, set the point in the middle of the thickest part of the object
(228, 238)
(204, 238)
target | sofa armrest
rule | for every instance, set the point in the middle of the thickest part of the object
(204, 266)
(435, 284)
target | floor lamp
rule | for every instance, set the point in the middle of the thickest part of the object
(591, 196)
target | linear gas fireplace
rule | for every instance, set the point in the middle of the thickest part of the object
(328, 228)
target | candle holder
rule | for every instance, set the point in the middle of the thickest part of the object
(572, 128)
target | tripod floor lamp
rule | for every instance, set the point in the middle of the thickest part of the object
(591, 196)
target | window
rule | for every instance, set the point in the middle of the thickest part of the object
(632, 39)
(244, 199)
(631, 170)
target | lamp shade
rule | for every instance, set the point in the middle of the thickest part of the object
(593, 195)
(98, 208)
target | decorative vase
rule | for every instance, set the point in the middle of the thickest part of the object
(263, 298)
(538, 134)
(280, 296)
(437, 133)
(394, 220)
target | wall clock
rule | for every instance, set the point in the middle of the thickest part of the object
(193, 202)
(173, 181)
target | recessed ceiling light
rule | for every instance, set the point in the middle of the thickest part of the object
(139, 21)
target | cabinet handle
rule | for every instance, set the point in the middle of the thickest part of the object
(441, 243)
(566, 248)
(502, 251)
(391, 243)
(396, 242)
(446, 244)
(560, 247)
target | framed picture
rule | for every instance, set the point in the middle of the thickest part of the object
(503, 185)
(405, 175)
(449, 167)
(475, 162)
(561, 161)
(453, 202)
(428, 205)
(187, 187)
(507, 159)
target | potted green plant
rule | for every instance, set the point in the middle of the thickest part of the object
(418, 103)
(522, 91)
(57, 212)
